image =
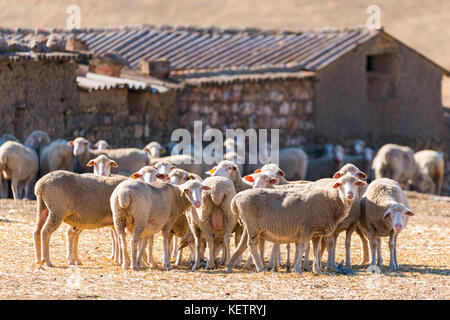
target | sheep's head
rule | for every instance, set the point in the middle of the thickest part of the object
(154, 149)
(338, 153)
(148, 174)
(358, 146)
(273, 170)
(227, 169)
(102, 165)
(351, 169)
(164, 167)
(192, 190)
(398, 215)
(80, 145)
(347, 187)
(179, 176)
(102, 145)
(261, 180)
(423, 183)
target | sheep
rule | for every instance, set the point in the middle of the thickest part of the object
(19, 164)
(102, 165)
(294, 163)
(102, 145)
(326, 165)
(3, 183)
(55, 156)
(149, 174)
(292, 216)
(130, 159)
(384, 212)
(180, 176)
(362, 160)
(432, 164)
(148, 209)
(37, 140)
(182, 161)
(230, 170)
(214, 218)
(154, 149)
(80, 200)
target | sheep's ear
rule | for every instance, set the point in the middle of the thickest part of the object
(281, 173)
(113, 164)
(162, 150)
(273, 181)
(211, 172)
(162, 176)
(257, 171)
(362, 175)
(387, 214)
(70, 143)
(337, 175)
(410, 213)
(206, 188)
(234, 167)
(361, 183)
(146, 149)
(249, 178)
(336, 185)
(171, 168)
(90, 163)
(154, 167)
(136, 175)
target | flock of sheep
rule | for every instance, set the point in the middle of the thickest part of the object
(305, 199)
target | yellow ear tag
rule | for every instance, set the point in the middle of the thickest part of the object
(134, 176)
(212, 171)
(191, 177)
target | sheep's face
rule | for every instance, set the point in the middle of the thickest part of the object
(80, 146)
(347, 187)
(164, 167)
(179, 176)
(272, 170)
(351, 169)
(338, 153)
(398, 215)
(102, 145)
(225, 168)
(423, 183)
(261, 180)
(359, 146)
(102, 165)
(192, 190)
(148, 174)
(154, 149)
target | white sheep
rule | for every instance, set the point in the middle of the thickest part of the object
(326, 165)
(102, 145)
(213, 219)
(19, 164)
(148, 209)
(384, 212)
(432, 164)
(55, 156)
(292, 216)
(80, 200)
(294, 162)
(155, 149)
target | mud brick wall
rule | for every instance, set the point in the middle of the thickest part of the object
(272, 104)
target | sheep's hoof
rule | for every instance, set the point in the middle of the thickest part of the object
(298, 270)
(168, 267)
(288, 270)
(229, 269)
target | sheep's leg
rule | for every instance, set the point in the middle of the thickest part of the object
(331, 262)
(75, 239)
(249, 263)
(316, 252)
(166, 254)
(279, 259)
(305, 265)
(395, 251)
(238, 253)
(261, 247)
(174, 246)
(41, 217)
(15, 189)
(300, 246)
(288, 257)
(69, 245)
(54, 220)
(142, 246)
(348, 246)
(210, 264)
(373, 249)
(123, 241)
(323, 246)
(438, 183)
(226, 250)
(392, 264)
(135, 239)
(113, 245)
(273, 257)
(3, 187)
(380, 257)
(238, 232)
(252, 242)
(364, 243)
(171, 237)
(179, 260)
(150, 257)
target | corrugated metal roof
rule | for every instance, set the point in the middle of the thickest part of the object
(200, 49)
(20, 56)
(94, 81)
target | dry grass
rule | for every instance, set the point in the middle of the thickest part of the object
(423, 257)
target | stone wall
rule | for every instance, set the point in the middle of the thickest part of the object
(271, 104)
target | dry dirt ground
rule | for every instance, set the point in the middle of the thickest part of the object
(423, 257)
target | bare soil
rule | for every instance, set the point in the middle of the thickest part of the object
(423, 257)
